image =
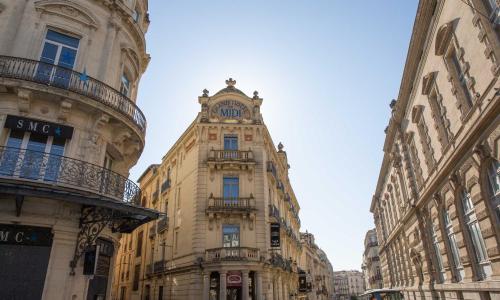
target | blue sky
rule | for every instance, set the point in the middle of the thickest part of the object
(327, 71)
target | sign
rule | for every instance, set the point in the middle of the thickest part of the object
(41, 127)
(302, 282)
(25, 235)
(231, 109)
(275, 234)
(233, 279)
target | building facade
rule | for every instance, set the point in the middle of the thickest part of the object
(230, 228)
(436, 204)
(348, 284)
(371, 262)
(317, 270)
(70, 132)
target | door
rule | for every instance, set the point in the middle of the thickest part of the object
(57, 59)
(230, 147)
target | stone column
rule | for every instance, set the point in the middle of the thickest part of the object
(206, 286)
(9, 33)
(280, 289)
(244, 282)
(107, 51)
(222, 283)
(258, 286)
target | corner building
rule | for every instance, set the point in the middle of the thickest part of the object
(69, 133)
(231, 225)
(437, 200)
(371, 262)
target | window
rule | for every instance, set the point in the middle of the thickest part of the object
(57, 58)
(494, 186)
(458, 269)
(138, 250)
(176, 241)
(160, 292)
(230, 236)
(125, 85)
(230, 142)
(437, 253)
(231, 190)
(32, 155)
(137, 274)
(136, 14)
(108, 161)
(475, 235)
(494, 10)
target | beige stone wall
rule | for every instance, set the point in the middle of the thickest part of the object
(110, 43)
(441, 139)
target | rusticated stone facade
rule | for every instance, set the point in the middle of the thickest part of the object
(437, 202)
(69, 133)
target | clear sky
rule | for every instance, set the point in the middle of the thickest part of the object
(327, 71)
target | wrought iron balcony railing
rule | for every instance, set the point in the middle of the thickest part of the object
(39, 167)
(274, 212)
(239, 203)
(162, 224)
(271, 168)
(67, 79)
(278, 261)
(165, 185)
(232, 254)
(231, 155)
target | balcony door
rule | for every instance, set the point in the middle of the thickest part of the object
(231, 239)
(231, 190)
(32, 155)
(230, 147)
(57, 59)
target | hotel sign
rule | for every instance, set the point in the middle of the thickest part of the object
(231, 109)
(275, 235)
(25, 235)
(37, 126)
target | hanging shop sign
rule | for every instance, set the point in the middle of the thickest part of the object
(233, 279)
(302, 282)
(25, 235)
(275, 235)
(37, 126)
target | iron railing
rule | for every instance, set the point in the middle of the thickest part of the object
(274, 212)
(40, 167)
(230, 155)
(238, 203)
(271, 168)
(162, 224)
(232, 253)
(278, 261)
(165, 185)
(67, 79)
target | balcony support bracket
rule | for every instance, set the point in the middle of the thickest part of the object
(19, 204)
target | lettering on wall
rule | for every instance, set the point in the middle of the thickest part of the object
(230, 109)
(25, 235)
(37, 126)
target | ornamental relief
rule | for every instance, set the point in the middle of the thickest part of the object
(68, 10)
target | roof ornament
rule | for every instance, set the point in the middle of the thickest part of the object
(205, 93)
(256, 95)
(280, 147)
(230, 83)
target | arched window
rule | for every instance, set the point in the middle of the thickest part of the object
(125, 85)
(474, 231)
(493, 174)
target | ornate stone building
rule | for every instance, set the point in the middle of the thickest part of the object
(70, 132)
(436, 204)
(317, 270)
(371, 262)
(348, 284)
(231, 223)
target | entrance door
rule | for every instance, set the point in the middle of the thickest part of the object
(234, 293)
(24, 257)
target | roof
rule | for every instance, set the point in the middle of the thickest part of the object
(230, 89)
(146, 171)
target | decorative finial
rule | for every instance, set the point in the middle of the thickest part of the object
(280, 147)
(256, 95)
(205, 93)
(230, 82)
(393, 103)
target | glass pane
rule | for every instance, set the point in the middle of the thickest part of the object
(67, 58)
(54, 161)
(230, 143)
(10, 154)
(63, 39)
(49, 53)
(33, 157)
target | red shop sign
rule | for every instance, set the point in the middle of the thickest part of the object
(233, 278)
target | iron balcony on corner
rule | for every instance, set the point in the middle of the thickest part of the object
(67, 79)
(54, 172)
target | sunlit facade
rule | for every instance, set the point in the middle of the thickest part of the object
(436, 204)
(70, 132)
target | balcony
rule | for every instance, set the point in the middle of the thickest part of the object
(69, 80)
(277, 261)
(281, 187)
(162, 224)
(231, 204)
(230, 160)
(28, 172)
(232, 254)
(155, 196)
(274, 212)
(165, 186)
